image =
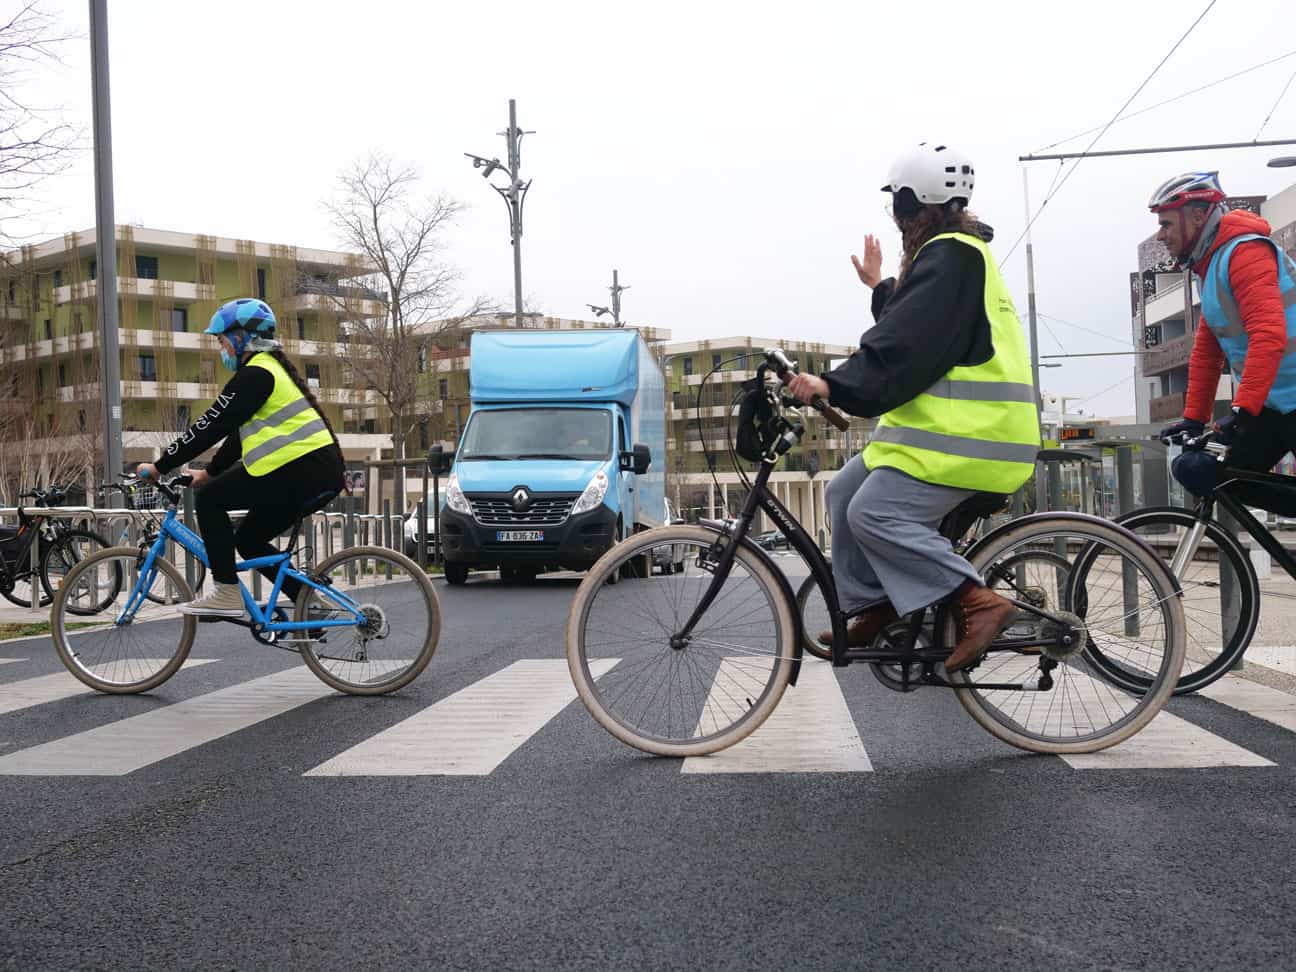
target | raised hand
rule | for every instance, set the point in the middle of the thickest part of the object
(870, 267)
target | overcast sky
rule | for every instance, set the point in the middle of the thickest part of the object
(725, 157)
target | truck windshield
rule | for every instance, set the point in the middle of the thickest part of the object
(538, 433)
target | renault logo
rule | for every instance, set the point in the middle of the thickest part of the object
(521, 498)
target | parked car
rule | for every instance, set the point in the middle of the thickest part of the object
(670, 559)
(412, 531)
(773, 540)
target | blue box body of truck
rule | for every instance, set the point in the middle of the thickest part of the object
(543, 478)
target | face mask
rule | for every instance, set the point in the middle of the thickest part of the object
(231, 361)
(228, 360)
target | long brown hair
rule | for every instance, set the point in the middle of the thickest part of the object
(931, 221)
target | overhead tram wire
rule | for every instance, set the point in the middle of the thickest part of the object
(1275, 106)
(1081, 327)
(1094, 141)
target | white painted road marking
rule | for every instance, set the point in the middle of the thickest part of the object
(60, 685)
(1261, 701)
(810, 731)
(1168, 742)
(470, 732)
(122, 747)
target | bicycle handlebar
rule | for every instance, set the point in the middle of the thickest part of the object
(783, 367)
(1204, 442)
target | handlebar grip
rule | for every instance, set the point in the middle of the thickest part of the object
(185, 480)
(830, 413)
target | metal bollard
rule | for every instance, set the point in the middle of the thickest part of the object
(1230, 599)
(1124, 504)
(35, 569)
(348, 538)
(387, 533)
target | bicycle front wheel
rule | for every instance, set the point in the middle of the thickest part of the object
(396, 628)
(673, 695)
(1038, 688)
(72, 547)
(139, 648)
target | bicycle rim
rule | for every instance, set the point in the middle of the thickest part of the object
(140, 645)
(680, 699)
(397, 621)
(1130, 609)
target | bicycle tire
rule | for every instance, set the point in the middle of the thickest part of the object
(809, 636)
(1043, 529)
(200, 577)
(1230, 651)
(73, 660)
(315, 660)
(62, 554)
(589, 685)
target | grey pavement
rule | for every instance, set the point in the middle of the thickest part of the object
(572, 851)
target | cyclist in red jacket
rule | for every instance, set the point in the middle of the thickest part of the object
(1248, 315)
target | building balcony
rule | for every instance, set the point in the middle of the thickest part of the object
(1167, 408)
(181, 291)
(1172, 354)
(1166, 304)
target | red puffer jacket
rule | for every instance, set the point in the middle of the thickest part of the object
(1253, 277)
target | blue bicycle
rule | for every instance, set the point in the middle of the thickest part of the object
(366, 620)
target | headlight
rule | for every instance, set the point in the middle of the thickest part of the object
(593, 494)
(455, 498)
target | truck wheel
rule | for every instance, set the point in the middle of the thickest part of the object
(456, 573)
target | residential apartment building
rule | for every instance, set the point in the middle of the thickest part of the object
(169, 285)
(1165, 308)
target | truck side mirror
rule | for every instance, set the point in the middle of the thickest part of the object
(637, 460)
(438, 461)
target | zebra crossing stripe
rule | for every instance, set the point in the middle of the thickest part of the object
(470, 732)
(129, 744)
(1168, 742)
(1270, 704)
(60, 685)
(8, 661)
(810, 731)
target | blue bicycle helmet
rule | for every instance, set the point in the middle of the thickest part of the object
(238, 320)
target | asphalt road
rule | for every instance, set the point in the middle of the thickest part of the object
(493, 833)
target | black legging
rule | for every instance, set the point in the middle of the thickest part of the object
(272, 502)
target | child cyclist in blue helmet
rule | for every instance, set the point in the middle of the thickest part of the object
(279, 452)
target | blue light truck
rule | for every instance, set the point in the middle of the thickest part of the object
(563, 454)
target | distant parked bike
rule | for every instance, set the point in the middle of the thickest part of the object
(59, 547)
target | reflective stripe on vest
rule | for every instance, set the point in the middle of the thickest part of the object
(1221, 312)
(284, 428)
(978, 427)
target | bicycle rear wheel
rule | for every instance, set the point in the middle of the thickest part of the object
(670, 696)
(401, 623)
(1126, 605)
(128, 655)
(815, 617)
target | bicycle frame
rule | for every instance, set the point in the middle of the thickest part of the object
(1205, 511)
(261, 618)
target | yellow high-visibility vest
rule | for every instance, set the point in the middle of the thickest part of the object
(978, 427)
(284, 428)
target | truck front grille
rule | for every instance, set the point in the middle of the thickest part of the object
(499, 511)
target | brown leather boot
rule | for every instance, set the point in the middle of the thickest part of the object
(981, 614)
(865, 627)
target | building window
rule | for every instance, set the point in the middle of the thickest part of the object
(49, 330)
(94, 269)
(443, 389)
(40, 383)
(422, 359)
(301, 329)
(62, 375)
(312, 372)
(715, 360)
(261, 283)
(179, 319)
(58, 279)
(146, 267)
(688, 366)
(148, 367)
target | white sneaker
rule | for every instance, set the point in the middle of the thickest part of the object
(226, 601)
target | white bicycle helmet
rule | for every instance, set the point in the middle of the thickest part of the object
(934, 173)
(1191, 187)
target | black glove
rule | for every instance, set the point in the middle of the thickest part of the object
(1227, 428)
(1190, 427)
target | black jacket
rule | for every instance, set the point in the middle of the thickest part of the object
(933, 323)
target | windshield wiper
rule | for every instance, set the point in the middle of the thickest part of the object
(485, 456)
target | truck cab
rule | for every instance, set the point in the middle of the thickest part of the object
(553, 468)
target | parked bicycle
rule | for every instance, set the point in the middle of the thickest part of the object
(366, 621)
(1221, 589)
(689, 664)
(59, 546)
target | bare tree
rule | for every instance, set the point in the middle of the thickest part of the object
(32, 145)
(398, 232)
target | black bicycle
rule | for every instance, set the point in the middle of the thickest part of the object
(1221, 589)
(60, 546)
(690, 663)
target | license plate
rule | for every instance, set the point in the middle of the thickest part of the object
(507, 536)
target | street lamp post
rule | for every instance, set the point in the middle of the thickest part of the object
(1282, 162)
(615, 309)
(514, 195)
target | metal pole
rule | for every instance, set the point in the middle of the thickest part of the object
(515, 208)
(1030, 298)
(1154, 151)
(1124, 504)
(105, 246)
